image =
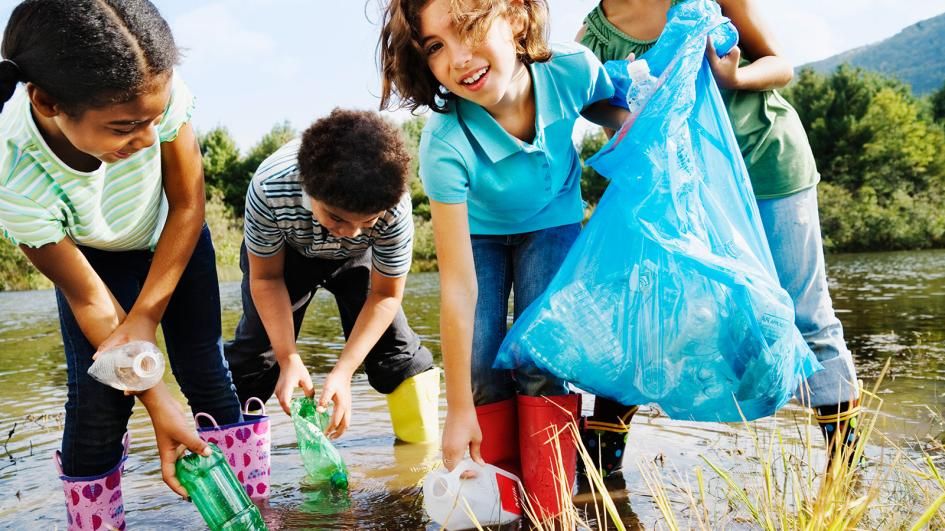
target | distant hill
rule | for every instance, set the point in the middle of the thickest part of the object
(915, 55)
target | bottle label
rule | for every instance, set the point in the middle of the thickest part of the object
(508, 494)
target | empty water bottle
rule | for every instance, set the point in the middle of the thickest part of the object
(642, 85)
(134, 366)
(490, 498)
(216, 492)
(320, 457)
(724, 38)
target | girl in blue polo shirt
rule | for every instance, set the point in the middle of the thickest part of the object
(503, 177)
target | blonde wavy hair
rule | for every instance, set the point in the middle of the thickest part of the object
(406, 79)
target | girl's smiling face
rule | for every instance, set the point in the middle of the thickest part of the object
(482, 73)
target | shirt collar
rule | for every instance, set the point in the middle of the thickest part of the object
(495, 141)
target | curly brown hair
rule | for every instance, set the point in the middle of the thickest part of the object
(355, 161)
(405, 74)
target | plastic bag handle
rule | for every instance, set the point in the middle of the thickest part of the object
(262, 405)
(209, 416)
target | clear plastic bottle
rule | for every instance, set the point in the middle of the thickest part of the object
(491, 498)
(642, 85)
(320, 457)
(134, 366)
(217, 494)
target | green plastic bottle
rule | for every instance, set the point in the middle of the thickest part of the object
(320, 457)
(218, 495)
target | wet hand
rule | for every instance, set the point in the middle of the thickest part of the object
(292, 374)
(337, 390)
(460, 433)
(173, 434)
(725, 69)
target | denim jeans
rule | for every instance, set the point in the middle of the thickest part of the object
(96, 414)
(396, 356)
(792, 225)
(523, 263)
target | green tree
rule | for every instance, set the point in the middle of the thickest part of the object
(412, 129)
(221, 161)
(938, 104)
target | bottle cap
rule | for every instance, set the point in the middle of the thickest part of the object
(638, 70)
(146, 363)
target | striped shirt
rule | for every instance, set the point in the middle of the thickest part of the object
(118, 207)
(278, 211)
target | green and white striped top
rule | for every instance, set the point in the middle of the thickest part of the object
(117, 207)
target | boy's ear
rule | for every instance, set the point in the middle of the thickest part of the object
(42, 101)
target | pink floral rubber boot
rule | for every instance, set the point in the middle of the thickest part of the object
(246, 446)
(95, 502)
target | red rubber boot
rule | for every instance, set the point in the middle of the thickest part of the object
(548, 475)
(499, 424)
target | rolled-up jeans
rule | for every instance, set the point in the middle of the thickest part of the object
(523, 264)
(96, 414)
(792, 225)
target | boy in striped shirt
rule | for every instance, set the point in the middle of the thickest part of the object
(331, 210)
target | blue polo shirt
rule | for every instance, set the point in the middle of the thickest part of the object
(511, 186)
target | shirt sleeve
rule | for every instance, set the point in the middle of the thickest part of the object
(25, 222)
(442, 170)
(599, 85)
(392, 250)
(261, 233)
(179, 109)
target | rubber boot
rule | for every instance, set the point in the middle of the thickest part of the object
(414, 408)
(246, 446)
(605, 439)
(94, 502)
(839, 425)
(498, 423)
(548, 449)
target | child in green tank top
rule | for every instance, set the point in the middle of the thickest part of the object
(784, 178)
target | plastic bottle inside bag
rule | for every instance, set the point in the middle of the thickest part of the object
(490, 498)
(134, 366)
(642, 85)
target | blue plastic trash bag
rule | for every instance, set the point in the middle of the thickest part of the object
(670, 295)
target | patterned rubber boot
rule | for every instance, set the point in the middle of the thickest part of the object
(839, 425)
(604, 435)
(94, 502)
(246, 446)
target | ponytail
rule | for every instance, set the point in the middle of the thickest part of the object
(10, 76)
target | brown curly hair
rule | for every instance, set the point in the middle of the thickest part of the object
(404, 70)
(355, 161)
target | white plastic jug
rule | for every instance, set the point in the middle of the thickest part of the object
(490, 498)
(134, 366)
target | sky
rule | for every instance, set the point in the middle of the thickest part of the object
(254, 63)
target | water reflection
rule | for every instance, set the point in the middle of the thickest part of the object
(891, 305)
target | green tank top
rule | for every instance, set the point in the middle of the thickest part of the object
(769, 132)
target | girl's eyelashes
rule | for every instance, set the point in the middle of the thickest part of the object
(433, 48)
(122, 132)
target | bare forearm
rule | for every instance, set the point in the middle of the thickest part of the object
(456, 330)
(173, 252)
(375, 317)
(767, 73)
(97, 317)
(606, 115)
(272, 301)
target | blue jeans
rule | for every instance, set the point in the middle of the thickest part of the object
(96, 414)
(792, 225)
(525, 263)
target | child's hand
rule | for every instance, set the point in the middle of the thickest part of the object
(461, 432)
(292, 374)
(337, 389)
(172, 432)
(131, 329)
(725, 69)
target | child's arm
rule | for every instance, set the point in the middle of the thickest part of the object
(182, 171)
(98, 315)
(458, 295)
(271, 298)
(606, 115)
(768, 69)
(376, 315)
